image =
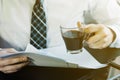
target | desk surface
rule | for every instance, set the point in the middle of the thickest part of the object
(105, 55)
(53, 73)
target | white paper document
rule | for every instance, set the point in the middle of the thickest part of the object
(58, 57)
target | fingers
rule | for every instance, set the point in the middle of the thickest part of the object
(93, 28)
(9, 65)
(11, 50)
(79, 24)
(14, 60)
(102, 43)
(13, 68)
(8, 50)
(96, 38)
(102, 37)
(12, 64)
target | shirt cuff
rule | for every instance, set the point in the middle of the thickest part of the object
(116, 42)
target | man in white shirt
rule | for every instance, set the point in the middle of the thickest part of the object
(15, 24)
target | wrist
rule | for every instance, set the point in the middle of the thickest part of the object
(113, 33)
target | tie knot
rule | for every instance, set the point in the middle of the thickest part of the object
(37, 2)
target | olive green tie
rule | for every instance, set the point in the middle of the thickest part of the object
(38, 26)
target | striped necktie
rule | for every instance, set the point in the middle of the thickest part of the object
(38, 26)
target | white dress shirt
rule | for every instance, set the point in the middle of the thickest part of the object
(15, 19)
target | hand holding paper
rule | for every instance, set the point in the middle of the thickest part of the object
(11, 64)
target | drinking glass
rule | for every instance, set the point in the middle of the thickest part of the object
(73, 38)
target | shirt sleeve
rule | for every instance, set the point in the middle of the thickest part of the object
(116, 29)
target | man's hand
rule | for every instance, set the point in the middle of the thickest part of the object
(99, 36)
(13, 64)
